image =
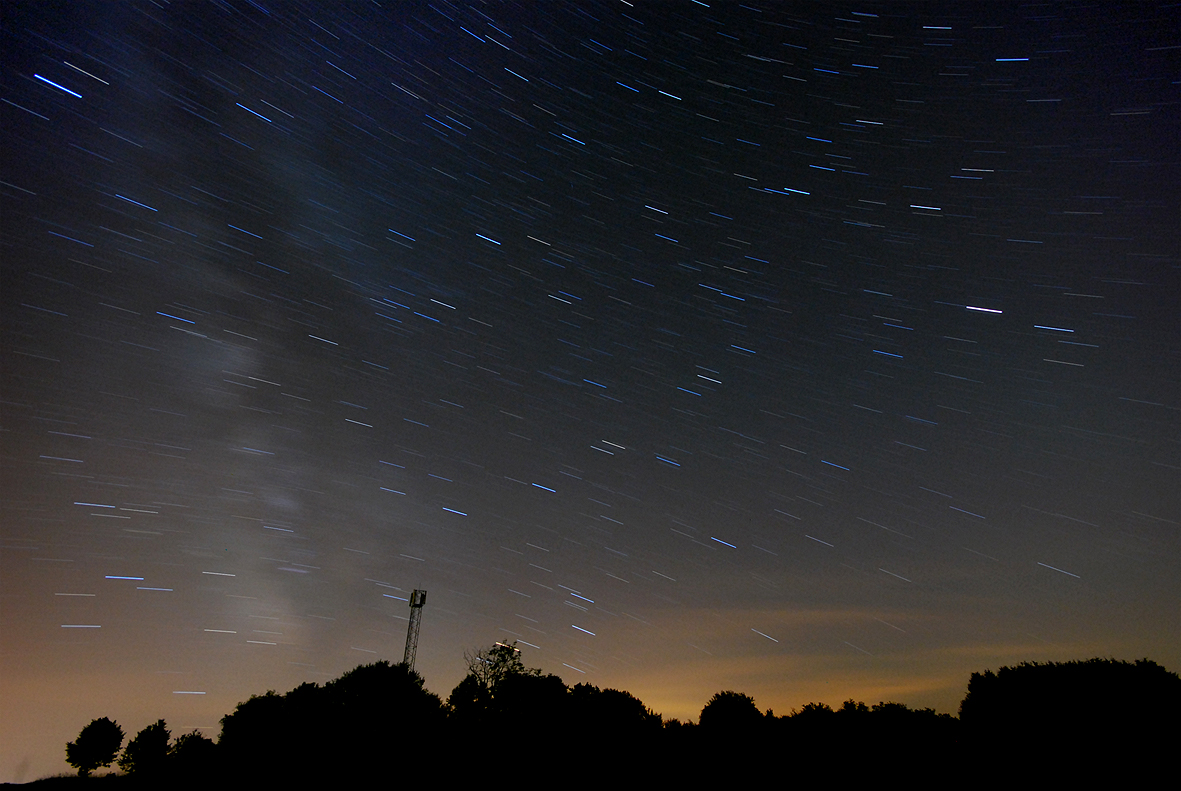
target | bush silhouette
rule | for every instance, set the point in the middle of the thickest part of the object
(353, 719)
(530, 709)
(145, 754)
(192, 757)
(96, 746)
(1092, 721)
(375, 706)
(472, 706)
(731, 712)
(599, 715)
(469, 703)
(1083, 701)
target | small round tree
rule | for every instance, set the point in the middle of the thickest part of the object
(97, 745)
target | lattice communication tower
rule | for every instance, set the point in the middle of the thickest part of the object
(417, 599)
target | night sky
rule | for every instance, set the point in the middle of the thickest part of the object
(815, 351)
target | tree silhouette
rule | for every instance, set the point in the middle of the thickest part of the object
(730, 711)
(354, 718)
(257, 727)
(382, 703)
(732, 732)
(192, 756)
(500, 707)
(1072, 697)
(611, 715)
(146, 753)
(491, 665)
(1101, 721)
(853, 708)
(471, 703)
(97, 745)
(817, 712)
(616, 723)
(530, 704)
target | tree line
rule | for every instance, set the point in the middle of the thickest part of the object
(378, 726)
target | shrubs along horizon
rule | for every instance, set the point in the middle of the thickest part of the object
(378, 725)
(1098, 720)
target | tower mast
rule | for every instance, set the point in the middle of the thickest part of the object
(417, 599)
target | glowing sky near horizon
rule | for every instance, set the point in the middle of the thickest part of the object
(816, 351)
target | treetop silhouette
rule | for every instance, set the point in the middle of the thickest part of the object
(730, 712)
(96, 746)
(146, 753)
(489, 666)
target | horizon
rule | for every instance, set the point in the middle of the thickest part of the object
(1056, 698)
(816, 352)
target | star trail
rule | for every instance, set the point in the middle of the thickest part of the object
(815, 351)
